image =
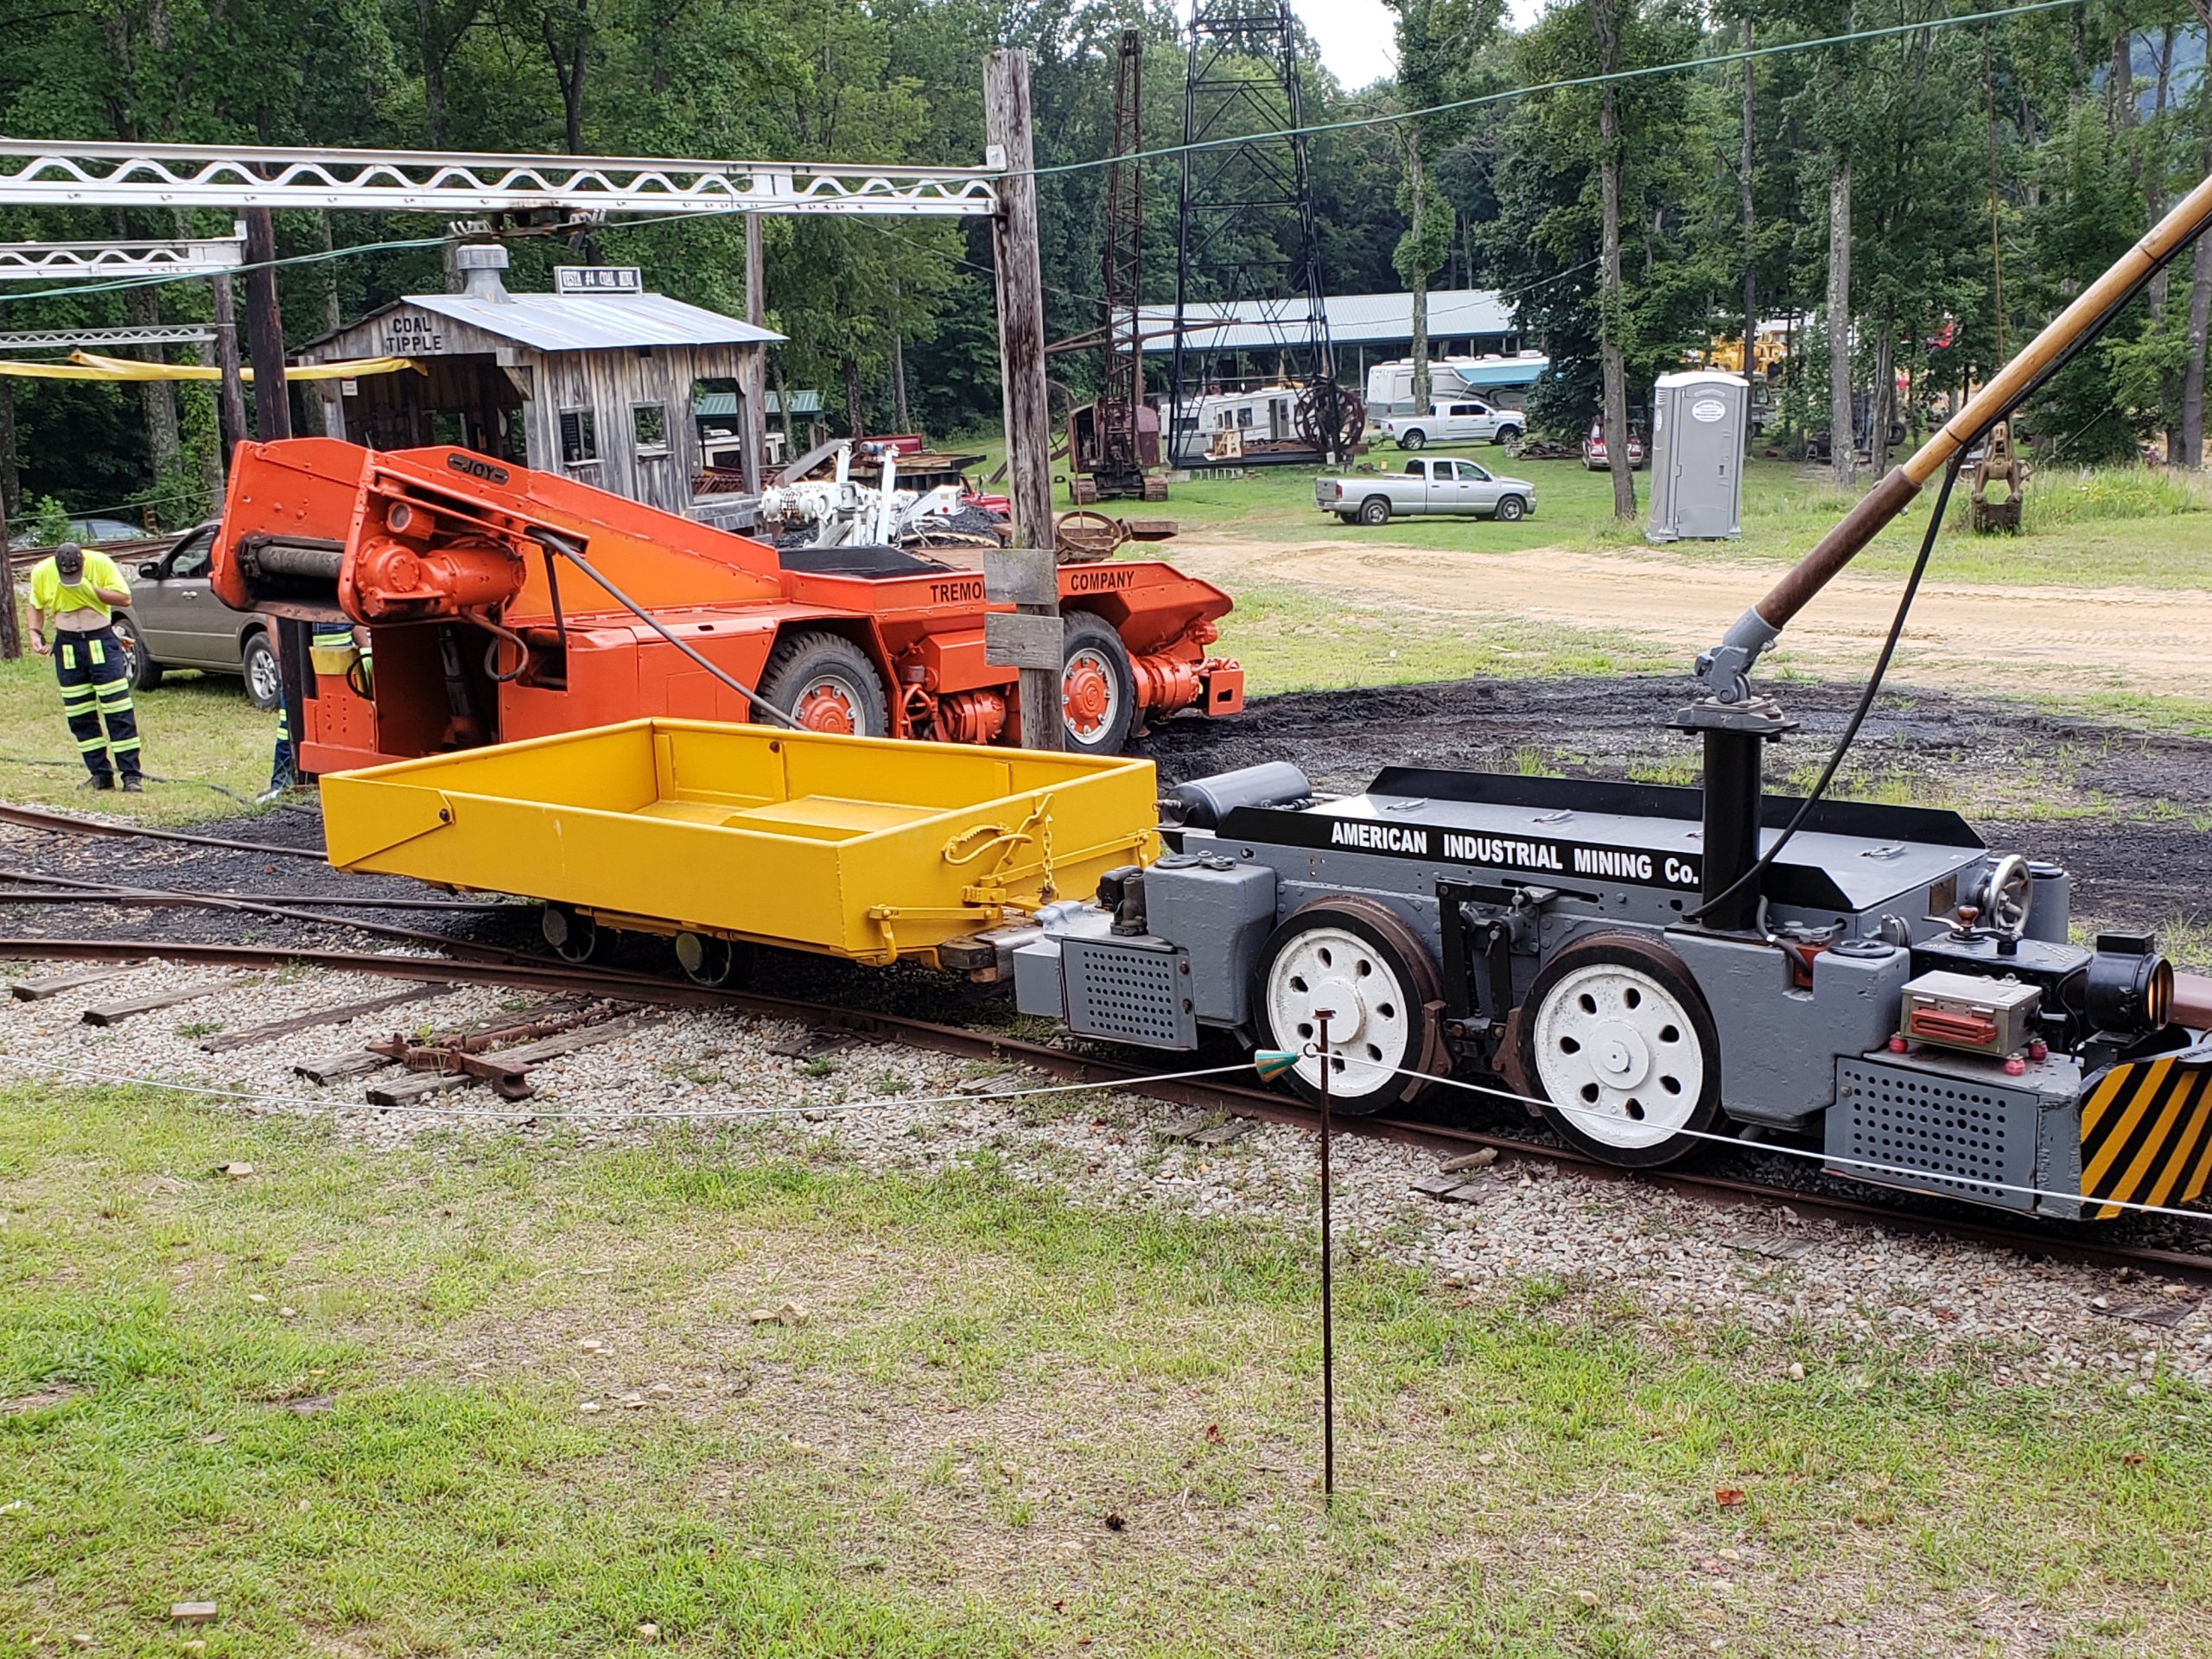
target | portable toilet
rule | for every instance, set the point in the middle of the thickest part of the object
(1699, 419)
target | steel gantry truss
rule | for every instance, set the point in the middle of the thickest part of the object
(77, 260)
(65, 174)
(95, 339)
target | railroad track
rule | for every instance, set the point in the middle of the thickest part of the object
(1721, 1191)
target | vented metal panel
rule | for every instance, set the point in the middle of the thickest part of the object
(1954, 1134)
(1129, 993)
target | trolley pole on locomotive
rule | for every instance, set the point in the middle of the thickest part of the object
(1321, 1018)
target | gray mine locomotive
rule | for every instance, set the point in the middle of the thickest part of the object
(1894, 987)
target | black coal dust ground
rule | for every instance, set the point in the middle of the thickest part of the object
(2127, 812)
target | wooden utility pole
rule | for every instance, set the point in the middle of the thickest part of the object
(265, 328)
(1007, 139)
(753, 372)
(230, 402)
(1007, 142)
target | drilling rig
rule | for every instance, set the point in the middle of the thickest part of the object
(1114, 444)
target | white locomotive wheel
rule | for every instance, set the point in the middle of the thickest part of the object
(1359, 962)
(1620, 1046)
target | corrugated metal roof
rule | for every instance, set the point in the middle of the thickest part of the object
(714, 404)
(1354, 320)
(593, 322)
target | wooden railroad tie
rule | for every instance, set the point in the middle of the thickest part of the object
(331, 1016)
(114, 1014)
(38, 990)
(441, 1068)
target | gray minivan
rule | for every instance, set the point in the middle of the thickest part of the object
(174, 620)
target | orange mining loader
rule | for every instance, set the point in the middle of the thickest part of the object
(501, 603)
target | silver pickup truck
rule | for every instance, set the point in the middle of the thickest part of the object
(1424, 486)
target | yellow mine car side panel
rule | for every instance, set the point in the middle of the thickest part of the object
(860, 847)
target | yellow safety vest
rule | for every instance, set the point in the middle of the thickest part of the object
(53, 596)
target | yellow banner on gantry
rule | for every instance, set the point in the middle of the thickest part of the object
(91, 365)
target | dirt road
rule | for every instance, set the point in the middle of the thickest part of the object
(1962, 636)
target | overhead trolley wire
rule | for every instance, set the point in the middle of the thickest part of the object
(1569, 83)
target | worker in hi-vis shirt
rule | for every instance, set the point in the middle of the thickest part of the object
(74, 596)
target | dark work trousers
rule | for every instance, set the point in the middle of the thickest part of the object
(95, 687)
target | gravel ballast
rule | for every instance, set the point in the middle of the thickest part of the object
(882, 1108)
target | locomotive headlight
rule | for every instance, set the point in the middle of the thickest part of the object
(2129, 988)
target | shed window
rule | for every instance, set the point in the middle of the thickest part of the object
(579, 438)
(650, 422)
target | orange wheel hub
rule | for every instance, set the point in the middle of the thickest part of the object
(1086, 695)
(827, 707)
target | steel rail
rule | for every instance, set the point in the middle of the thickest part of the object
(1717, 1189)
(63, 823)
(121, 894)
(193, 897)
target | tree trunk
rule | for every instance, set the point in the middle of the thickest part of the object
(1885, 391)
(855, 416)
(12, 639)
(1842, 446)
(2154, 207)
(11, 486)
(156, 398)
(1612, 368)
(2192, 373)
(1422, 392)
(2200, 307)
(433, 48)
(1751, 242)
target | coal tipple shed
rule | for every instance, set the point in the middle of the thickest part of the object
(596, 381)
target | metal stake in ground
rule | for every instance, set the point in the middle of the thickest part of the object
(1321, 1018)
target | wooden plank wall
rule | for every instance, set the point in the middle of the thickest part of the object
(470, 369)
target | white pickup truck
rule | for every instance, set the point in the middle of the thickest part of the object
(1424, 486)
(1457, 420)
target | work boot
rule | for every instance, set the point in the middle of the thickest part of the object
(133, 783)
(98, 780)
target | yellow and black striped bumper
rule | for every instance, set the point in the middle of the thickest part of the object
(2146, 1132)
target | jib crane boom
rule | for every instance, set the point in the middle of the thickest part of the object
(1725, 669)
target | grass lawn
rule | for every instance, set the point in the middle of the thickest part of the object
(344, 1400)
(2122, 526)
(195, 726)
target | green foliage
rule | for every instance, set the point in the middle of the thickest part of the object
(1970, 149)
(50, 521)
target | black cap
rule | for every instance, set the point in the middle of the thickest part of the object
(69, 561)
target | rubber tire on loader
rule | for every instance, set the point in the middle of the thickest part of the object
(1083, 633)
(1376, 509)
(139, 666)
(813, 657)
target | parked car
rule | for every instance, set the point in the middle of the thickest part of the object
(90, 532)
(174, 620)
(1425, 486)
(1458, 420)
(1593, 449)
